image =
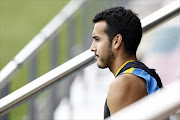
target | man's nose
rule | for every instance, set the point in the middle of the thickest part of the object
(93, 48)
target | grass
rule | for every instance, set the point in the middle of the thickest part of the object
(20, 21)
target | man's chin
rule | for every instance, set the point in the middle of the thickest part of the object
(101, 66)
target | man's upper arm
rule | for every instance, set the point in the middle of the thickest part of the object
(124, 90)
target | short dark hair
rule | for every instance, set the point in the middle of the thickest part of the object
(125, 22)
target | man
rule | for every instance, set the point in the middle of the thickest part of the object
(117, 34)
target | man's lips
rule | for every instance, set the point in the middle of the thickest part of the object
(96, 56)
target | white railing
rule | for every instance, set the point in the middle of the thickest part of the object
(30, 49)
(161, 16)
(48, 79)
(74, 65)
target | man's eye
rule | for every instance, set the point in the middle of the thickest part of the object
(97, 39)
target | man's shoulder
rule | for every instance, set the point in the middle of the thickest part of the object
(128, 83)
(127, 80)
(124, 90)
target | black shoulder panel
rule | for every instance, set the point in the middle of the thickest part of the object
(144, 67)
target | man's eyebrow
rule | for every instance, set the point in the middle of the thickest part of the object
(95, 37)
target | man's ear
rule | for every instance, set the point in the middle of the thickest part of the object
(117, 41)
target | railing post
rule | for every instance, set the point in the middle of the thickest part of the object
(32, 76)
(71, 54)
(71, 38)
(4, 92)
(54, 62)
(85, 10)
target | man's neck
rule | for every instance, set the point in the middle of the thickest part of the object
(119, 62)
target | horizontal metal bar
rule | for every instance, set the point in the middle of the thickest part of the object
(7, 70)
(30, 49)
(43, 82)
(157, 106)
(53, 76)
(161, 16)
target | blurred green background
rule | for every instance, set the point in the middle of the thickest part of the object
(20, 21)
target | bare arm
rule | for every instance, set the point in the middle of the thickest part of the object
(124, 90)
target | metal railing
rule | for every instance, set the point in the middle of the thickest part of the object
(160, 17)
(72, 66)
(46, 80)
(29, 50)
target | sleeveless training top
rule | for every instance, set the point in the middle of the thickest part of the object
(153, 81)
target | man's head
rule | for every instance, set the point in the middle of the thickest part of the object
(124, 22)
(111, 25)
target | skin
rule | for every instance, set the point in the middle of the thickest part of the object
(104, 54)
(124, 89)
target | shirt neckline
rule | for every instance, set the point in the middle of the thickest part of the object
(123, 66)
